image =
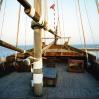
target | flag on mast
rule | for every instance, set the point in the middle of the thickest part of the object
(52, 6)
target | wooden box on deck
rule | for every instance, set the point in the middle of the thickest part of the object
(50, 77)
(75, 65)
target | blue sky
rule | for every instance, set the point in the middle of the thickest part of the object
(70, 23)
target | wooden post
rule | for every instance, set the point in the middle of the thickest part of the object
(25, 4)
(97, 5)
(56, 36)
(37, 68)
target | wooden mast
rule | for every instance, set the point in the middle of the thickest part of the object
(97, 5)
(37, 73)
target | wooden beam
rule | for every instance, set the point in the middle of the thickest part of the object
(25, 4)
(52, 32)
(97, 5)
(9, 46)
(48, 38)
(35, 25)
(48, 46)
(90, 49)
(56, 38)
(29, 10)
(35, 16)
(90, 56)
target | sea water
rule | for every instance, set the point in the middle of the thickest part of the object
(6, 52)
(96, 53)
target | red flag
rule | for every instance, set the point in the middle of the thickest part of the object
(52, 6)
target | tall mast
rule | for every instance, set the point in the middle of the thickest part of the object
(46, 11)
(97, 5)
(37, 74)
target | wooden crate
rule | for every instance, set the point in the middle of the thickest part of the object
(50, 77)
(75, 65)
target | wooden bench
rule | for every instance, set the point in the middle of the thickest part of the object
(50, 76)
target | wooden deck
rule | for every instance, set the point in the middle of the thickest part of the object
(69, 85)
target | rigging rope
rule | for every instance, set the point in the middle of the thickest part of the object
(85, 46)
(18, 25)
(54, 9)
(62, 20)
(55, 24)
(54, 17)
(25, 31)
(89, 24)
(3, 21)
(2, 25)
(45, 15)
(58, 25)
(77, 21)
(17, 37)
(58, 20)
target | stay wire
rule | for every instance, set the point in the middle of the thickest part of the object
(2, 25)
(62, 20)
(89, 24)
(85, 46)
(25, 33)
(18, 27)
(45, 16)
(58, 24)
(77, 21)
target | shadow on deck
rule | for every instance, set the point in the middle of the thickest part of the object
(69, 85)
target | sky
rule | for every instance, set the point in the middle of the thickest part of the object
(69, 22)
